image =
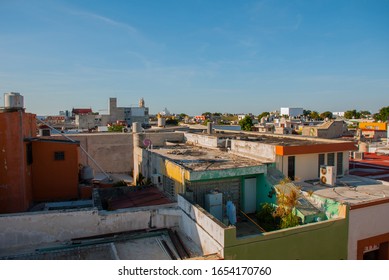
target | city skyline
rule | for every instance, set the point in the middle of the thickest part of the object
(196, 56)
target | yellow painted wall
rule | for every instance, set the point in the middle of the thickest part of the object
(175, 172)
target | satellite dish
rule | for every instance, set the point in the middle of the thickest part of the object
(147, 142)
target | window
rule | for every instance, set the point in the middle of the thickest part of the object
(339, 164)
(291, 167)
(59, 155)
(169, 188)
(29, 153)
(321, 161)
(331, 159)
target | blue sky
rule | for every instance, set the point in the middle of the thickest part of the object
(195, 56)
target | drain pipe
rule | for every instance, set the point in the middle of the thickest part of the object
(81, 147)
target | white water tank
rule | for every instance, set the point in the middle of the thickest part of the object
(13, 100)
(136, 127)
(161, 122)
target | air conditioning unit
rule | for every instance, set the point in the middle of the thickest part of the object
(156, 179)
(358, 155)
(327, 175)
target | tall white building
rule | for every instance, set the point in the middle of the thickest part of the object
(292, 112)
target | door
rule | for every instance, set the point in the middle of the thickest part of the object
(291, 167)
(250, 195)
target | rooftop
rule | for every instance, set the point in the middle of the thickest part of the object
(351, 190)
(129, 197)
(372, 166)
(164, 244)
(277, 140)
(201, 159)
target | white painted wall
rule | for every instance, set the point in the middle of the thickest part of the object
(365, 223)
(306, 166)
(29, 229)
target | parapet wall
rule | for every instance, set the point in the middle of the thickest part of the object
(207, 232)
(33, 229)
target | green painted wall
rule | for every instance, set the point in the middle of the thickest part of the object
(319, 241)
(265, 188)
(225, 173)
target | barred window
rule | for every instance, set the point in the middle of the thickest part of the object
(59, 155)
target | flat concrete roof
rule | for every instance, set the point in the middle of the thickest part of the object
(141, 245)
(201, 159)
(274, 139)
(351, 190)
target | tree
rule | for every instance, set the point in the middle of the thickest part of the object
(115, 128)
(263, 114)
(246, 123)
(207, 114)
(382, 115)
(365, 114)
(307, 113)
(352, 114)
(171, 121)
(326, 114)
(287, 202)
(314, 115)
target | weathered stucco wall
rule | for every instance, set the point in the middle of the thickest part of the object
(29, 229)
(208, 141)
(255, 150)
(202, 228)
(160, 138)
(112, 151)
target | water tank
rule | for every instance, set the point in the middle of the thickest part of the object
(161, 122)
(136, 127)
(87, 173)
(209, 128)
(13, 100)
(213, 204)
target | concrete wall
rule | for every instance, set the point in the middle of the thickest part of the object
(208, 141)
(319, 241)
(366, 222)
(158, 139)
(202, 228)
(112, 151)
(30, 229)
(255, 150)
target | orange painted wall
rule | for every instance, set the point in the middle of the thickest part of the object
(15, 174)
(54, 179)
(373, 126)
(315, 149)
